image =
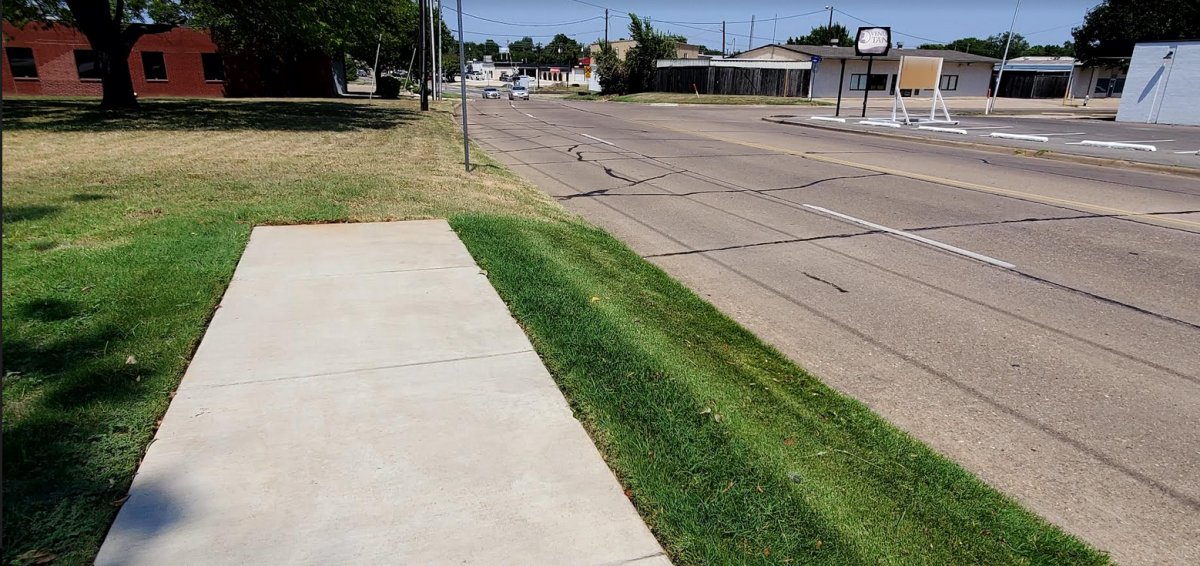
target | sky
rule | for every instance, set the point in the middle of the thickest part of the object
(912, 21)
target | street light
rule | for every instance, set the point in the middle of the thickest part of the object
(834, 40)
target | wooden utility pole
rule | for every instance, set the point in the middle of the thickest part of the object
(750, 45)
(724, 51)
(606, 25)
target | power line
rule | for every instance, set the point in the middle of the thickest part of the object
(520, 35)
(533, 25)
(893, 30)
(1052, 29)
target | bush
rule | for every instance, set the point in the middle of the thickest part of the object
(388, 87)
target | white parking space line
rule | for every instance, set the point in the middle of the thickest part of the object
(598, 139)
(1022, 137)
(1115, 145)
(943, 130)
(987, 127)
(912, 236)
(1070, 134)
(1187, 152)
(1146, 141)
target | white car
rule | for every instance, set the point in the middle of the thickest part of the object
(518, 92)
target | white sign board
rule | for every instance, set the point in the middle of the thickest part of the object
(873, 41)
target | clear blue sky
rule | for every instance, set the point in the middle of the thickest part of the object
(1041, 21)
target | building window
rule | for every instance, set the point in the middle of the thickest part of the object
(154, 66)
(949, 82)
(20, 60)
(877, 82)
(214, 67)
(87, 64)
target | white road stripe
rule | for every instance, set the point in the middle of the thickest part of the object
(912, 236)
(515, 108)
(598, 139)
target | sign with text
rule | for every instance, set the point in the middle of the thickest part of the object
(873, 41)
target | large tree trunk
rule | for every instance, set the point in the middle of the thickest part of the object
(117, 82)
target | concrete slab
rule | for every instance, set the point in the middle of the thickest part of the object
(336, 416)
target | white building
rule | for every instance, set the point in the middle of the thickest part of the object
(1163, 84)
(963, 74)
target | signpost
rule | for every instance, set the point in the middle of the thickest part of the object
(869, 43)
(812, 74)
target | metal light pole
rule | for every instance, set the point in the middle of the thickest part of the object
(423, 45)
(1004, 61)
(462, 61)
(440, 53)
(432, 51)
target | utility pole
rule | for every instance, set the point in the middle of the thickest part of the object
(750, 45)
(441, 53)
(424, 62)
(996, 91)
(830, 8)
(433, 51)
(724, 51)
(773, 29)
(462, 69)
(606, 25)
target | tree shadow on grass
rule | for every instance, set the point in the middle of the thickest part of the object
(203, 115)
(20, 213)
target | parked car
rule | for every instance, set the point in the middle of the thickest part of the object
(491, 93)
(518, 92)
(505, 77)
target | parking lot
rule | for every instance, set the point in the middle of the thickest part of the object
(1149, 143)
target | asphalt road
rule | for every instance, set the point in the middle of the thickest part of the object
(1045, 334)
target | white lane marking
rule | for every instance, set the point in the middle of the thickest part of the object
(912, 236)
(881, 124)
(515, 108)
(1145, 141)
(943, 130)
(598, 139)
(1115, 145)
(1022, 137)
(828, 119)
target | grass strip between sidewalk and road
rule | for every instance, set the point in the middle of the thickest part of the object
(684, 98)
(121, 234)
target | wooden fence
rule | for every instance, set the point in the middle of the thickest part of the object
(733, 80)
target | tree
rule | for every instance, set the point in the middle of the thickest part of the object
(609, 69)
(1016, 49)
(822, 35)
(450, 66)
(704, 50)
(522, 50)
(1067, 49)
(1113, 27)
(642, 58)
(561, 49)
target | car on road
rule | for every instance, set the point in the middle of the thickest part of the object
(505, 77)
(491, 93)
(518, 92)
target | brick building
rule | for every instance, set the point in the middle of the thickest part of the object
(182, 62)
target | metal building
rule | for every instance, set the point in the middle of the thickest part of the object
(1163, 84)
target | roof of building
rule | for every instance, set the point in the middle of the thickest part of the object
(830, 52)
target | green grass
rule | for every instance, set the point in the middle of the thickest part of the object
(733, 454)
(121, 233)
(683, 98)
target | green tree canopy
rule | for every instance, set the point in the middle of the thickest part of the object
(822, 35)
(1112, 28)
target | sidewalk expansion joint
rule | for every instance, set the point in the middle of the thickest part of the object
(356, 273)
(366, 369)
(634, 560)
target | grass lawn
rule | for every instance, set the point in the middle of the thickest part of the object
(120, 236)
(683, 98)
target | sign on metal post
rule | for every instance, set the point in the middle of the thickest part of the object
(870, 42)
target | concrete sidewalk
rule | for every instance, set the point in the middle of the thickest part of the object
(364, 397)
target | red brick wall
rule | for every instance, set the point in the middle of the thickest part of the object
(54, 56)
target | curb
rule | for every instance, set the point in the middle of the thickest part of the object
(1039, 154)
